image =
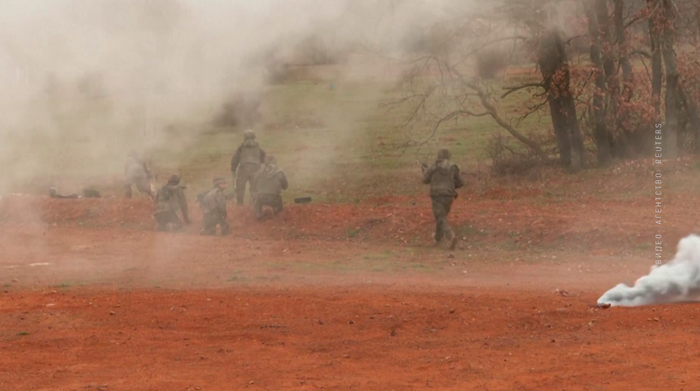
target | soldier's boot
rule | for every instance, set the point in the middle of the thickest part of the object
(453, 240)
(225, 229)
(208, 231)
(268, 212)
(127, 191)
(435, 242)
(162, 227)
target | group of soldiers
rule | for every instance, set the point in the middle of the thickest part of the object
(250, 165)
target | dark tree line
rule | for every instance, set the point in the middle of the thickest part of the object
(642, 67)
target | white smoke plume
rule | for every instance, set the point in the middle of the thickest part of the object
(674, 282)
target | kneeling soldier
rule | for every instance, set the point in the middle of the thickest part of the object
(214, 208)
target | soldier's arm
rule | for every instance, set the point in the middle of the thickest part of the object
(459, 182)
(262, 155)
(283, 181)
(427, 175)
(236, 159)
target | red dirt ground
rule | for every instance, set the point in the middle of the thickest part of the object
(93, 299)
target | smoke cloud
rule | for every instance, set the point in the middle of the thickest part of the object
(86, 81)
(674, 282)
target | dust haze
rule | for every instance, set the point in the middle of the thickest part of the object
(87, 81)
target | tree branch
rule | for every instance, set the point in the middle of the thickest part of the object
(517, 88)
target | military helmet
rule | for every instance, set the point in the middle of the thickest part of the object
(270, 159)
(249, 134)
(174, 179)
(443, 154)
(219, 180)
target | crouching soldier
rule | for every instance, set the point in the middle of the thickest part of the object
(444, 178)
(170, 200)
(268, 184)
(213, 205)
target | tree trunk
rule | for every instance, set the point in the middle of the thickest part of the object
(600, 129)
(555, 73)
(656, 64)
(623, 115)
(618, 140)
(623, 52)
(670, 130)
(691, 110)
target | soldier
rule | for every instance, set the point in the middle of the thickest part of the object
(137, 173)
(268, 184)
(214, 207)
(170, 200)
(245, 163)
(444, 178)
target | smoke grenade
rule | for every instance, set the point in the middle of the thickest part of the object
(674, 282)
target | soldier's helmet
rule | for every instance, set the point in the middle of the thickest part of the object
(443, 154)
(270, 159)
(174, 179)
(219, 180)
(249, 135)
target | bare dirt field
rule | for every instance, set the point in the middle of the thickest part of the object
(338, 298)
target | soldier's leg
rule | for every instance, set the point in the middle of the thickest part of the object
(257, 205)
(241, 180)
(127, 190)
(439, 214)
(277, 205)
(447, 202)
(144, 186)
(225, 229)
(162, 222)
(208, 225)
(175, 221)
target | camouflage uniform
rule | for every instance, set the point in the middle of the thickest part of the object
(170, 200)
(245, 163)
(214, 208)
(268, 184)
(137, 173)
(444, 178)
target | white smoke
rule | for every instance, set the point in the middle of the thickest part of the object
(675, 282)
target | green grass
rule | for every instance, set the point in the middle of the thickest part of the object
(340, 145)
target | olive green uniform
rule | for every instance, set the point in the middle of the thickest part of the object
(245, 163)
(170, 200)
(214, 209)
(444, 178)
(268, 184)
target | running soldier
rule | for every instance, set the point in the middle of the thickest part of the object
(245, 163)
(444, 178)
(268, 184)
(214, 208)
(170, 200)
(137, 173)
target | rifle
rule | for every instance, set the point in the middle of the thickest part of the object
(423, 166)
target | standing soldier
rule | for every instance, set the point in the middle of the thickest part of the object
(214, 207)
(444, 178)
(245, 163)
(170, 200)
(268, 184)
(137, 173)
